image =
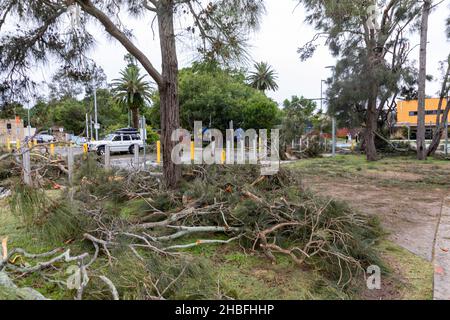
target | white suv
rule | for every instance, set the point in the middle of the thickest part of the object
(117, 142)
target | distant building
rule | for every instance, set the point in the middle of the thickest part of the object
(13, 129)
(407, 115)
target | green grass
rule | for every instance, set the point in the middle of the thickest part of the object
(416, 274)
(432, 172)
(228, 271)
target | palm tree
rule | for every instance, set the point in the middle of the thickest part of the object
(132, 91)
(263, 78)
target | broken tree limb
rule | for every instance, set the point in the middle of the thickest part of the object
(111, 287)
(42, 265)
(190, 230)
(200, 242)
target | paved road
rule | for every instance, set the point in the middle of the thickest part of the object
(441, 254)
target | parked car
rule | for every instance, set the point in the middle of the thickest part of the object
(79, 141)
(44, 138)
(117, 142)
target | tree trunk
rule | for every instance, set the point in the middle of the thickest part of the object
(421, 147)
(371, 125)
(168, 90)
(135, 112)
(437, 135)
(440, 123)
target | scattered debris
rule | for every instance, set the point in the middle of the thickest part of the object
(4, 193)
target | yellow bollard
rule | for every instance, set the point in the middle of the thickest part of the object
(17, 144)
(224, 156)
(35, 142)
(192, 150)
(158, 152)
(52, 149)
(30, 144)
(8, 144)
(260, 145)
(85, 148)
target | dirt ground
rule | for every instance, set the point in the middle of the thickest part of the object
(407, 196)
(411, 200)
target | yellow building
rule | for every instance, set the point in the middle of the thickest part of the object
(407, 112)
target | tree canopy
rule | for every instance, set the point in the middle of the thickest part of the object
(216, 96)
(371, 43)
(263, 77)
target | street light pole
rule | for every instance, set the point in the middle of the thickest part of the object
(321, 95)
(333, 120)
(87, 126)
(95, 115)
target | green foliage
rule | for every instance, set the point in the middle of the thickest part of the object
(208, 93)
(70, 114)
(10, 110)
(263, 78)
(53, 219)
(131, 90)
(298, 114)
(152, 135)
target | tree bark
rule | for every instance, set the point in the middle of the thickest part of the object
(439, 131)
(135, 112)
(440, 123)
(168, 90)
(371, 124)
(421, 146)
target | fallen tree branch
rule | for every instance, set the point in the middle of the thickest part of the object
(200, 242)
(111, 286)
(190, 230)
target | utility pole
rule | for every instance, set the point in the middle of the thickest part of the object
(333, 120)
(92, 128)
(96, 126)
(321, 94)
(87, 126)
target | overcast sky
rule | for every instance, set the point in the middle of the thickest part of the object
(282, 32)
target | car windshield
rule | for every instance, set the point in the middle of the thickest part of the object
(109, 137)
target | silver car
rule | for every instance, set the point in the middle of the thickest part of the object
(117, 143)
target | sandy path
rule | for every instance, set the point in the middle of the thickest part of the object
(409, 215)
(416, 219)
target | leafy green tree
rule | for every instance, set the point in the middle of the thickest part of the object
(110, 112)
(216, 96)
(298, 114)
(263, 77)
(10, 110)
(369, 39)
(132, 91)
(70, 114)
(219, 27)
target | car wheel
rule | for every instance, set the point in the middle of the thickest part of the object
(131, 150)
(101, 151)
